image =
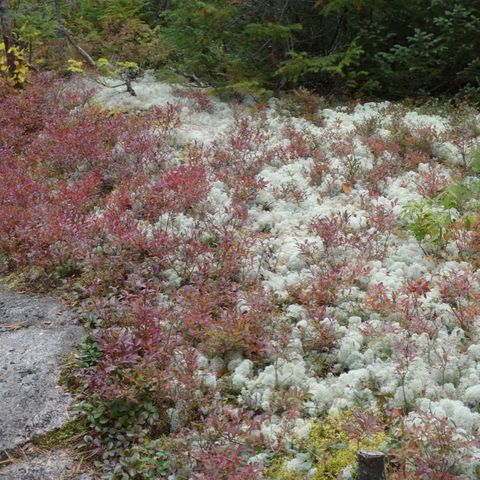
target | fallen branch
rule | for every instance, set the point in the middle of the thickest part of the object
(191, 77)
(127, 78)
(65, 33)
(13, 327)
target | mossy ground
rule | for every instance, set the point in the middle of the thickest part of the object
(63, 437)
(330, 449)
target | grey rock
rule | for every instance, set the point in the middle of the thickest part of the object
(35, 336)
(26, 310)
(51, 466)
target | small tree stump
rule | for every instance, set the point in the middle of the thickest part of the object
(371, 465)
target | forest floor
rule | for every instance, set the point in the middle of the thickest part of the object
(266, 293)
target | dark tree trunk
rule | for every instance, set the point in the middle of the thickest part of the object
(7, 35)
(371, 465)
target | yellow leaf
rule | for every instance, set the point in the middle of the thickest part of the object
(75, 66)
(132, 65)
(102, 62)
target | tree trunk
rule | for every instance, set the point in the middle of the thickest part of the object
(7, 35)
(65, 33)
(371, 465)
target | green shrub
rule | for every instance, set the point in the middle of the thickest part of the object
(428, 222)
(381, 47)
(384, 48)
